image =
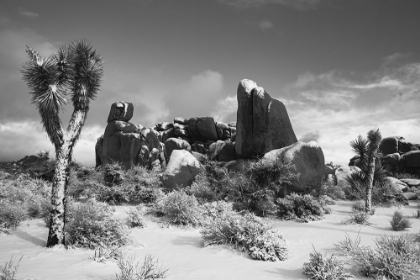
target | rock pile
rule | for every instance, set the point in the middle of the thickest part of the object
(400, 156)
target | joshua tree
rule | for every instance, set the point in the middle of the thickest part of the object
(367, 150)
(374, 139)
(73, 73)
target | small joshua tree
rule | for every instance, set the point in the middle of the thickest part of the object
(75, 72)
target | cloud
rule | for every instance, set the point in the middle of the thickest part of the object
(197, 97)
(310, 136)
(27, 138)
(340, 106)
(226, 109)
(27, 14)
(296, 4)
(265, 24)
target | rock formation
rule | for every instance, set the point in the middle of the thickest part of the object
(400, 156)
(309, 163)
(262, 122)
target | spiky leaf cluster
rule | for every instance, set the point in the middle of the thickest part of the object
(73, 73)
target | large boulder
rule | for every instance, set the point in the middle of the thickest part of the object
(181, 170)
(397, 184)
(389, 145)
(121, 111)
(175, 144)
(309, 163)
(411, 182)
(262, 122)
(411, 162)
(203, 128)
(222, 151)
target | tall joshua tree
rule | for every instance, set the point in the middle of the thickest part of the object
(74, 73)
(374, 139)
(367, 150)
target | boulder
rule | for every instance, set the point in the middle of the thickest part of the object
(167, 134)
(198, 147)
(203, 128)
(343, 172)
(405, 146)
(309, 163)
(222, 151)
(391, 159)
(181, 130)
(397, 184)
(180, 120)
(411, 182)
(262, 122)
(410, 195)
(181, 170)
(232, 124)
(121, 111)
(201, 157)
(221, 128)
(175, 144)
(411, 162)
(162, 126)
(389, 145)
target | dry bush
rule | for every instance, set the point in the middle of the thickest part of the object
(399, 222)
(131, 269)
(10, 269)
(302, 208)
(136, 217)
(322, 267)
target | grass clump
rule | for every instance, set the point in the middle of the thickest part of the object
(323, 267)
(131, 269)
(392, 258)
(399, 222)
(136, 217)
(92, 225)
(180, 208)
(301, 208)
(248, 233)
(11, 215)
(10, 269)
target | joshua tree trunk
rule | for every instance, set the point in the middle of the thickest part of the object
(59, 190)
(369, 183)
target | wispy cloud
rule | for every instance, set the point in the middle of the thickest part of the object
(27, 14)
(265, 24)
(225, 110)
(297, 4)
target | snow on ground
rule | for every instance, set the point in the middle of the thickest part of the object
(182, 252)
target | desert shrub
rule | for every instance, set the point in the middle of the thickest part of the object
(247, 233)
(399, 222)
(102, 254)
(202, 189)
(217, 209)
(180, 208)
(393, 258)
(328, 188)
(92, 225)
(10, 269)
(131, 269)
(386, 195)
(136, 217)
(11, 214)
(358, 206)
(301, 208)
(113, 174)
(322, 267)
(357, 216)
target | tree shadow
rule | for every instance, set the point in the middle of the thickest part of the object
(195, 241)
(27, 237)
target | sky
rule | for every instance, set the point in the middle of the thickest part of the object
(341, 67)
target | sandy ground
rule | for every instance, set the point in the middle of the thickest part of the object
(182, 252)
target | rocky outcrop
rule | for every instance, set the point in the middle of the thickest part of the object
(222, 151)
(175, 144)
(181, 170)
(262, 122)
(125, 142)
(400, 156)
(308, 161)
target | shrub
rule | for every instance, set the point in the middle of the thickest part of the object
(11, 214)
(322, 267)
(136, 217)
(202, 190)
(399, 222)
(246, 233)
(180, 208)
(10, 269)
(358, 217)
(358, 206)
(91, 225)
(396, 257)
(113, 174)
(328, 188)
(131, 269)
(301, 208)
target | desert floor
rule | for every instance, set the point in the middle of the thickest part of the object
(181, 249)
